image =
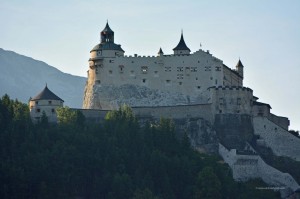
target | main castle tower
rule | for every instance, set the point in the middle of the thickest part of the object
(182, 78)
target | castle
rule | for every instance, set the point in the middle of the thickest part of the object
(194, 88)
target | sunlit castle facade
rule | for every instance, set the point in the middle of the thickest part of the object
(181, 78)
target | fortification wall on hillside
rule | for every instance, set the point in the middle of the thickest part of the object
(231, 99)
(278, 139)
(245, 167)
(174, 112)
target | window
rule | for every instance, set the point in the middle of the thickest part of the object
(207, 68)
(168, 69)
(193, 69)
(110, 72)
(98, 81)
(52, 110)
(50, 102)
(198, 87)
(179, 69)
(180, 83)
(121, 67)
(144, 80)
(38, 110)
(111, 61)
(36, 102)
(238, 101)
(218, 68)
(179, 76)
(221, 100)
(144, 69)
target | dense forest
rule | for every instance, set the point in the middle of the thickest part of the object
(117, 158)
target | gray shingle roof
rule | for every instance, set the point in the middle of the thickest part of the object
(107, 46)
(46, 94)
(181, 45)
(107, 28)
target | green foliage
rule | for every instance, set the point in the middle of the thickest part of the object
(66, 116)
(119, 159)
(208, 184)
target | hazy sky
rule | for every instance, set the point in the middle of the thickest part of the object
(265, 34)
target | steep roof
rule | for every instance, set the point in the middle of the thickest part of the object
(160, 51)
(107, 46)
(239, 64)
(181, 45)
(107, 28)
(46, 94)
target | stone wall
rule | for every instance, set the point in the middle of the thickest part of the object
(234, 130)
(245, 167)
(231, 99)
(174, 112)
(278, 139)
(283, 122)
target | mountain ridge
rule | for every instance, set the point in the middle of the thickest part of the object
(23, 77)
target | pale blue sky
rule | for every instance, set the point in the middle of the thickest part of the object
(265, 34)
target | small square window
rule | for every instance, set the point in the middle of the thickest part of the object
(38, 110)
(50, 102)
(144, 80)
(52, 110)
(36, 102)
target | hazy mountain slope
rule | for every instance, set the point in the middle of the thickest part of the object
(22, 77)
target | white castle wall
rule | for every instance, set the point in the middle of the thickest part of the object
(48, 106)
(171, 79)
(278, 139)
(245, 167)
(234, 100)
(231, 78)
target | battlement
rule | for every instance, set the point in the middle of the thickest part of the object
(233, 88)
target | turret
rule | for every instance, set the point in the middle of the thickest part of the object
(45, 102)
(160, 52)
(181, 48)
(240, 68)
(106, 47)
(107, 35)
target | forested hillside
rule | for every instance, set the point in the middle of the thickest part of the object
(117, 158)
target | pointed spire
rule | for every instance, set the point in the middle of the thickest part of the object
(160, 52)
(107, 35)
(181, 45)
(239, 64)
(107, 28)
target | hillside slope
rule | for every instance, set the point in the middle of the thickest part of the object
(22, 77)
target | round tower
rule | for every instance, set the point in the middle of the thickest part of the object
(45, 102)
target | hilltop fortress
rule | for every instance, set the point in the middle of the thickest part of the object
(205, 98)
(182, 78)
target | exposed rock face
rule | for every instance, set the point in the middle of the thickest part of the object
(200, 132)
(109, 97)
